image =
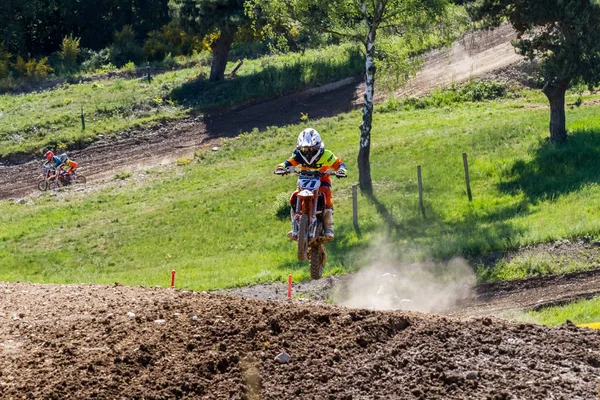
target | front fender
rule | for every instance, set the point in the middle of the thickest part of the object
(306, 193)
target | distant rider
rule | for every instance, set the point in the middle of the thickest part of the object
(71, 166)
(52, 161)
(311, 154)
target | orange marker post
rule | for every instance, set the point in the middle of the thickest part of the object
(173, 278)
(290, 287)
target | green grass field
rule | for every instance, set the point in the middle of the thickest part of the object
(578, 312)
(31, 122)
(215, 220)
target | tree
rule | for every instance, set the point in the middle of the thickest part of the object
(362, 21)
(37, 27)
(563, 35)
(223, 18)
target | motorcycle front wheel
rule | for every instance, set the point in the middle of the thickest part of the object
(43, 185)
(303, 237)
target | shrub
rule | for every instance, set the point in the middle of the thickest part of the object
(183, 161)
(472, 92)
(69, 51)
(5, 57)
(94, 60)
(125, 48)
(39, 69)
(170, 39)
(129, 67)
(32, 69)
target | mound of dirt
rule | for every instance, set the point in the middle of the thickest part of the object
(99, 342)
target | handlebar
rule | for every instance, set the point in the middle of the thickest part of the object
(286, 171)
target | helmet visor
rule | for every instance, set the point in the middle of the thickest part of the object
(309, 151)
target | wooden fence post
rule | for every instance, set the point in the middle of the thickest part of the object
(355, 206)
(82, 119)
(234, 72)
(420, 180)
(467, 179)
(148, 72)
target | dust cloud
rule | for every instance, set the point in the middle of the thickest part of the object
(425, 287)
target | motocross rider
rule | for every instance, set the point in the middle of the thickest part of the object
(51, 159)
(72, 166)
(311, 154)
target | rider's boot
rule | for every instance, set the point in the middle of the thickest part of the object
(293, 234)
(328, 223)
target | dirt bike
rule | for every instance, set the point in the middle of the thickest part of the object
(54, 178)
(47, 175)
(310, 204)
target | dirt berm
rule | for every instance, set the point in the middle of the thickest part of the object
(115, 342)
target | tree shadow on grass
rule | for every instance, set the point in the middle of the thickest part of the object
(557, 169)
(260, 100)
(438, 239)
(431, 239)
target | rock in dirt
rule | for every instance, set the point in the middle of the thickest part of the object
(282, 358)
(472, 375)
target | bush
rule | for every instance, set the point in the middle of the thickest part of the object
(69, 52)
(94, 60)
(472, 92)
(129, 67)
(125, 48)
(155, 49)
(4, 61)
(32, 69)
(170, 39)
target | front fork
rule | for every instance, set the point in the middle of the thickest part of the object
(306, 205)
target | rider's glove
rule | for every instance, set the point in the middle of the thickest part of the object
(281, 169)
(341, 173)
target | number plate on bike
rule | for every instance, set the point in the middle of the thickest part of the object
(309, 182)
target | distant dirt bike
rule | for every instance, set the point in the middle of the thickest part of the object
(310, 204)
(53, 178)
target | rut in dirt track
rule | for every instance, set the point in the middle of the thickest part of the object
(474, 55)
(91, 341)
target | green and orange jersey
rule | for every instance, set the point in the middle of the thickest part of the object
(71, 164)
(327, 161)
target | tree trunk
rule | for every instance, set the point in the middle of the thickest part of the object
(364, 164)
(556, 96)
(220, 50)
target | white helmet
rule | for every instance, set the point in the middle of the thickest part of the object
(310, 145)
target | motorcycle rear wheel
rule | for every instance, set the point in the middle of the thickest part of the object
(43, 185)
(317, 261)
(303, 237)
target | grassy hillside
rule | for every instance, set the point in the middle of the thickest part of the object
(31, 122)
(214, 220)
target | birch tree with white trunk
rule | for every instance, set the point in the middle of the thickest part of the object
(363, 21)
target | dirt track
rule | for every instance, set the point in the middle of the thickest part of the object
(475, 55)
(485, 299)
(78, 342)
